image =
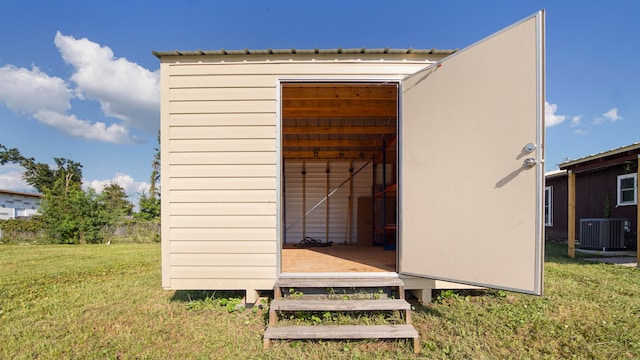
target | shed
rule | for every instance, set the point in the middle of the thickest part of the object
(394, 162)
(603, 186)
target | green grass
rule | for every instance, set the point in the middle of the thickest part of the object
(106, 302)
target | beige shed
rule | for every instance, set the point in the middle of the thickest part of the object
(425, 165)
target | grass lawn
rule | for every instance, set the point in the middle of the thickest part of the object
(106, 302)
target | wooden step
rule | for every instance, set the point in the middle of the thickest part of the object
(339, 294)
(298, 332)
(340, 305)
(339, 282)
(341, 332)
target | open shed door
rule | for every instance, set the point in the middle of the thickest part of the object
(471, 172)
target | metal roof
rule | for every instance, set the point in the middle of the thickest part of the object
(294, 51)
(620, 150)
(555, 173)
(11, 192)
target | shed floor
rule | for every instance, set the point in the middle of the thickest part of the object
(338, 258)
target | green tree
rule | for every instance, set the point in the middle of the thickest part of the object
(39, 175)
(154, 190)
(71, 215)
(149, 207)
(9, 155)
(150, 203)
(114, 202)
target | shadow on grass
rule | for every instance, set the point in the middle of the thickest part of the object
(424, 309)
(442, 296)
(195, 295)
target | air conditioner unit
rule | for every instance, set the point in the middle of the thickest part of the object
(602, 233)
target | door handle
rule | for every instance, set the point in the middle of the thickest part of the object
(529, 162)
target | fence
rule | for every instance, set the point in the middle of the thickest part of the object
(130, 231)
(133, 232)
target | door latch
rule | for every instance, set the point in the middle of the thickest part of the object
(529, 162)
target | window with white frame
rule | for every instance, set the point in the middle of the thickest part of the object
(627, 194)
(548, 206)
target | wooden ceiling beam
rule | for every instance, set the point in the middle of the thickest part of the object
(340, 130)
(337, 108)
(343, 91)
(329, 155)
(287, 143)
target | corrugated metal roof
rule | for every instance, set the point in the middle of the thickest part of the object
(634, 146)
(293, 51)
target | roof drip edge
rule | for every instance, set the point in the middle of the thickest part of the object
(294, 51)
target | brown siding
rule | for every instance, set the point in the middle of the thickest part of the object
(592, 190)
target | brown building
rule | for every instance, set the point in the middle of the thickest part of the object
(605, 186)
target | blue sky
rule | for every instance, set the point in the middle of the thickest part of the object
(78, 80)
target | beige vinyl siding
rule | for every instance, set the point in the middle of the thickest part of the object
(224, 221)
(222, 196)
(213, 145)
(248, 183)
(220, 167)
(223, 272)
(220, 283)
(221, 185)
(237, 209)
(224, 81)
(223, 132)
(230, 245)
(221, 119)
(299, 68)
(247, 260)
(223, 158)
(228, 171)
(222, 94)
(213, 107)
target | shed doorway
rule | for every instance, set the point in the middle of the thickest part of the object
(339, 204)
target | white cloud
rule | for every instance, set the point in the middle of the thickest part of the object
(27, 91)
(612, 115)
(551, 118)
(131, 187)
(73, 126)
(11, 178)
(129, 184)
(124, 89)
(576, 120)
(609, 116)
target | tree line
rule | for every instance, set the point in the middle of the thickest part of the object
(68, 213)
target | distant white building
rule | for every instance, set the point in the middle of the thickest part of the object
(15, 204)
